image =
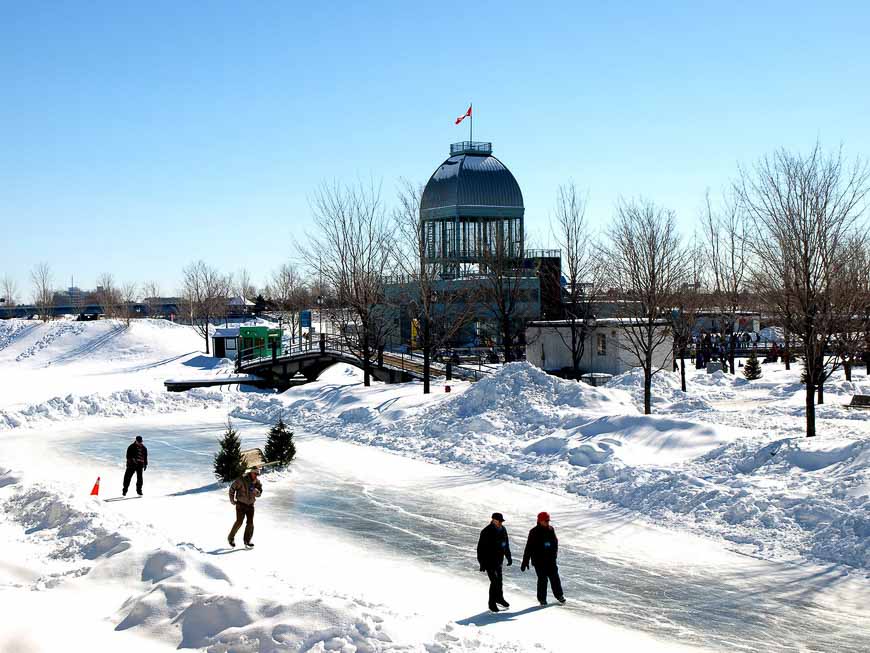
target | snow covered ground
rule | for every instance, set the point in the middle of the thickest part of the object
(711, 525)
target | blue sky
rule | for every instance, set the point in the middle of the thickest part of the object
(137, 137)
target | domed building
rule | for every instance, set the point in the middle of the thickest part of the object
(471, 211)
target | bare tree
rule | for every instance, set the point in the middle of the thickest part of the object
(648, 266)
(288, 292)
(243, 287)
(8, 290)
(726, 232)
(43, 292)
(689, 302)
(352, 250)
(205, 291)
(440, 308)
(108, 295)
(582, 275)
(807, 212)
(151, 292)
(128, 294)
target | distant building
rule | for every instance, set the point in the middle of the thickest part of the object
(606, 350)
(471, 227)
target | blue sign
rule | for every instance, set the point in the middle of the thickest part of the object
(305, 317)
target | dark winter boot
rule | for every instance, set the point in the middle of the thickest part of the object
(231, 542)
(493, 607)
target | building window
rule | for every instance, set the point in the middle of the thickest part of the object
(230, 344)
(601, 341)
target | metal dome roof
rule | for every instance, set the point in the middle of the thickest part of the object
(474, 185)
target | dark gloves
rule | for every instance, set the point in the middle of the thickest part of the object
(510, 561)
(144, 467)
(482, 568)
(523, 567)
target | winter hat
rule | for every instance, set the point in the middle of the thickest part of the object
(543, 516)
(138, 438)
(498, 516)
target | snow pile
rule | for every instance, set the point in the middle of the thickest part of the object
(665, 386)
(53, 331)
(10, 330)
(115, 404)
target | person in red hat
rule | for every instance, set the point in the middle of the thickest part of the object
(542, 547)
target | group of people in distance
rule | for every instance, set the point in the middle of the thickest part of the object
(493, 547)
(542, 547)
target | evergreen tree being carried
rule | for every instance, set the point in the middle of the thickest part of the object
(279, 445)
(228, 463)
(752, 369)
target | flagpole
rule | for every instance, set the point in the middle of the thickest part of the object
(470, 123)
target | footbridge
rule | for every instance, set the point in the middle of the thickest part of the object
(304, 363)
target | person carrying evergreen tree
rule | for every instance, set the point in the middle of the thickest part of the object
(492, 548)
(542, 547)
(137, 461)
(243, 493)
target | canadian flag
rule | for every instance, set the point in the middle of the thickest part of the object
(465, 115)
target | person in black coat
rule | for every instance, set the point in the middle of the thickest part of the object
(137, 461)
(542, 547)
(492, 548)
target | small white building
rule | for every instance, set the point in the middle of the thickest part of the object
(607, 349)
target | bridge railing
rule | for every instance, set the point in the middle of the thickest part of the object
(389, 358)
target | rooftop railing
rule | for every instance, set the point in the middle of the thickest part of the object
(470, 147)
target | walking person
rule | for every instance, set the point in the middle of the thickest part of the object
(493, 548)
(137, 461)
(243, 493)
(542, 547)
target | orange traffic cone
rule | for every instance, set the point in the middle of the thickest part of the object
(96, 490)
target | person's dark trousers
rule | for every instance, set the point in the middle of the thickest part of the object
(548, 573)
(495, 584)
(244, 510)
(128, 475)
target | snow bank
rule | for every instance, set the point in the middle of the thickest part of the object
(115, 404)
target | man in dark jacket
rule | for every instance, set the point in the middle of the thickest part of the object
(137, 461)
(492, 548)
(243, 493)
(542, 547)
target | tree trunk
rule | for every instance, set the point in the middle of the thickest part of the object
(847, 368)
(506, 338)
(786, 353)
(821, 392)
(731, 346)
(367, 380)
(683, 367)
(427, 352)
(205, 329)
(575, 351)
(647, 392)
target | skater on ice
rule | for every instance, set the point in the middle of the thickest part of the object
(137, 461)
(243, 493)
(493, 548)
(542, 547)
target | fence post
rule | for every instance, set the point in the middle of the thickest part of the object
(449, 371)
(322, 343)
